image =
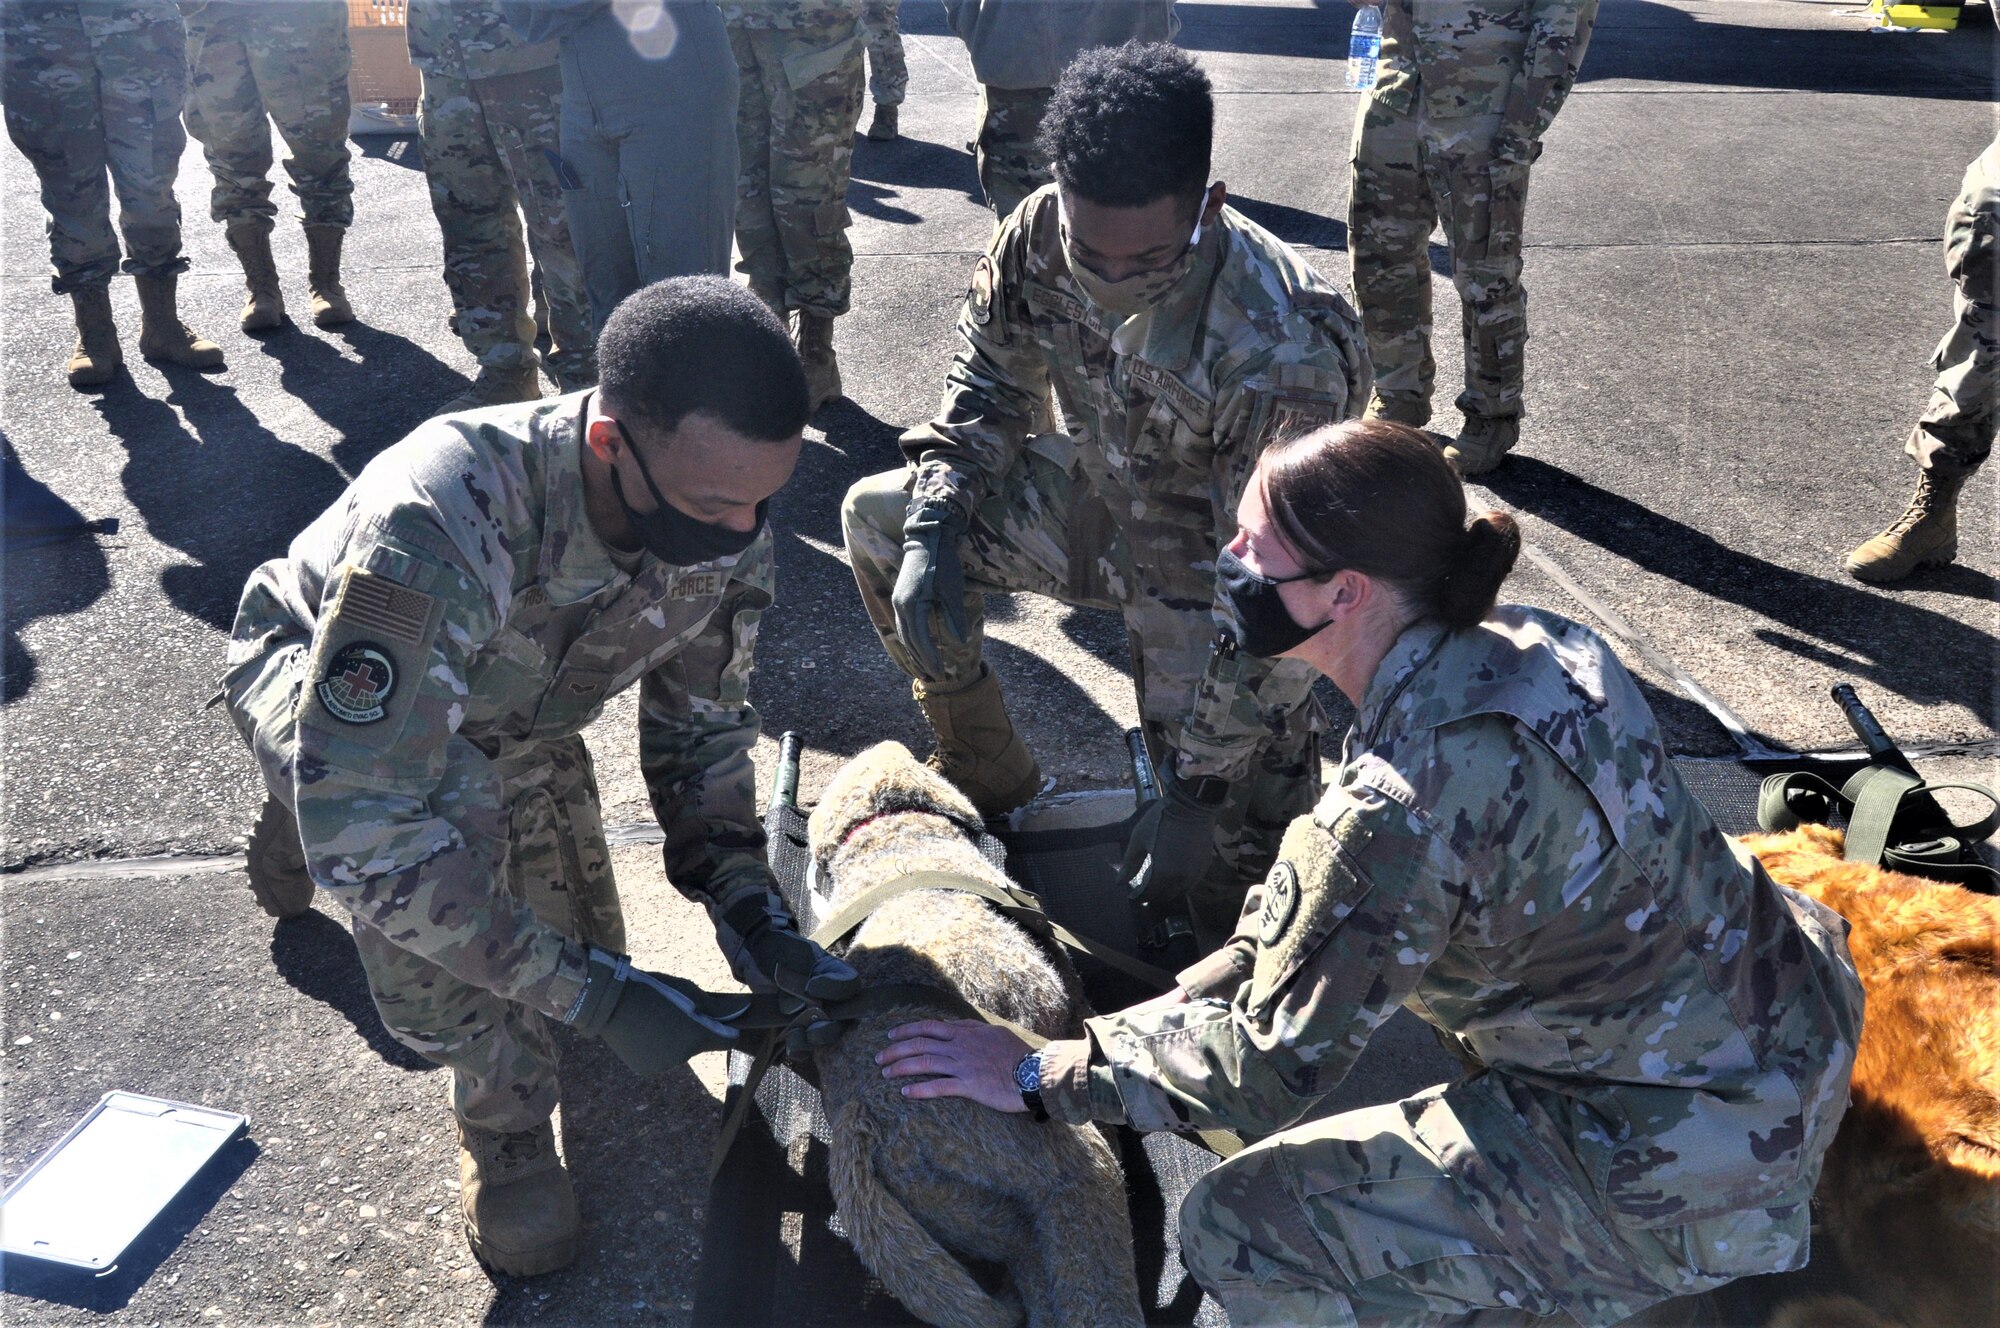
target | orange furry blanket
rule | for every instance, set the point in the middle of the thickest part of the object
(1910, 1192)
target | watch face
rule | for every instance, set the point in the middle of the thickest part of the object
(1028, 1074)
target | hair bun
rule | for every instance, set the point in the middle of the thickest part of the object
(1486, 554)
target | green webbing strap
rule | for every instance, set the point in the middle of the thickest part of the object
(1874, 796)
(1020, 905)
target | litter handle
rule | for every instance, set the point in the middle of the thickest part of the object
(1145, 782)
(785, 784)
(1882, 749)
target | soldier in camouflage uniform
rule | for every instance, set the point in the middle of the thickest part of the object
(1167, 406)
(489, 122)
(90, 87)
(801, 70)
(1466, 90)
(1019, 49)
(1660, 1036)
(414, 677)
(888, 72)
(247, 60)
(1956, 430)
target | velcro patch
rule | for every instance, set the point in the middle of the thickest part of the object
(1178, 394)
(1288, 417)
(979, 299)
(379, 604)
(359, 680)
(696, 585)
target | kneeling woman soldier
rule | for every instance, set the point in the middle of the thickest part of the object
(1660, 1036)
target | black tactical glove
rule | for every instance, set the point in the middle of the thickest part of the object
(1173, 841)
(932, 579)
(651, 1020)
(766, 953)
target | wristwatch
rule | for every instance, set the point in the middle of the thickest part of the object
(1028, 1078)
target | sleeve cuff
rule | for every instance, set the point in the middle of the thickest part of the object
(1217, 975)
(1068, 1084)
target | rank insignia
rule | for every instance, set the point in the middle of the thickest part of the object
(359, 681)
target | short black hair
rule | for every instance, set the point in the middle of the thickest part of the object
(691, 344)
(1129, 125)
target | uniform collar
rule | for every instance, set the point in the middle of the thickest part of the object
(1410, 652)
(576, 563)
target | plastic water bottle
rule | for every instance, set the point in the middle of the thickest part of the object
(1364, 47)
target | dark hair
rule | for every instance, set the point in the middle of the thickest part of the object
(1129, 125)
(702, 343)
(1380, 498)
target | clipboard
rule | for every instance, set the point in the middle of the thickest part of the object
(85, 1201)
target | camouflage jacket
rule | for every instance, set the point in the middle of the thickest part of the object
(1028, 43)
(460, 581)
(1167, 423)
(788, 13)
(469, 39)
(1516, 58)
(1509, 853)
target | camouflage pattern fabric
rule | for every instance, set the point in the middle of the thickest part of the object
(412, 677)
(94, 87)
(1956, 431)
(471, 39)
(290, 61)
(649, 144)
(1666, 1034)
(1467, 89)
(1128, 511)
(486, 147)
(888, 72)
(1011, 162)
(801, 95)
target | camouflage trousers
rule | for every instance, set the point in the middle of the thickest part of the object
(1041, 532)
(650, 147)
(287, 61)
(888, 72)
(90, 89)
(1358, 1220)
(1956, 431)
(1410, 173)
(801, 96)
(486, 143)
(1011, 164)
(531, 809)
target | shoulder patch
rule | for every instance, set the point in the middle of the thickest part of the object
(979, 299)
(1281, 903)
(373, 601)
(1291, 415)
(359, 680)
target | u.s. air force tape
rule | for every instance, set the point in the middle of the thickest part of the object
(360, 679)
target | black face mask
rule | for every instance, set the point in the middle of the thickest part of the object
(671, 535)
(1266, 626)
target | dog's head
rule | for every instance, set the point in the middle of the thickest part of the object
(883, 781)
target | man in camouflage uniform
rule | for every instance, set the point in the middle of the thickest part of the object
(90, 87)
(489, 123)
(1019, 49)
(1466, 90)
(801, 70)
(1956, 430)
(1167, 407)
(1663, 1036)
(414, 677)
(888, 72)
(248, 59)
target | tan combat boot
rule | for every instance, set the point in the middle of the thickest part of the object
(1925, 535)
(276, 862)
(816, 353)
(519, 1207)
(266, 306)
(329, 298)
(977, 748)
(97, 356)
(883, 128)
(496, 385)
(162, 334)
(1479, 448)
(1398, 410)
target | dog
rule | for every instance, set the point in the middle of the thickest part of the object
(920, 1184)
(1910, 1190)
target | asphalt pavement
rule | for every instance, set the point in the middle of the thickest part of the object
(1735, 284)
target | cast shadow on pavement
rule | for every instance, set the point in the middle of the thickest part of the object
(405, 150)
(229, 495)
(113, 1289)
(316, 955)
(1870, 635)
(913, 163)
(396, 386)
(51, 565)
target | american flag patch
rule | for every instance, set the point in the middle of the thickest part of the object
(378, 603)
